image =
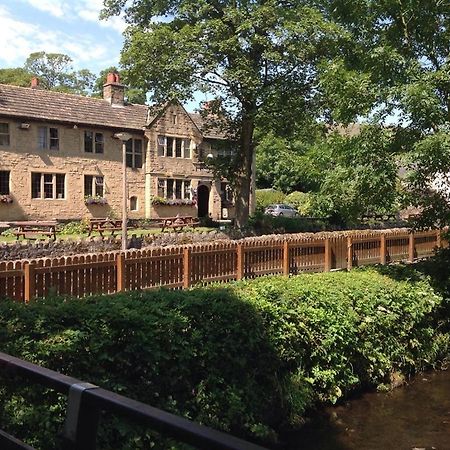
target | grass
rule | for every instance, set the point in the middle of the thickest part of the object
(138, 232)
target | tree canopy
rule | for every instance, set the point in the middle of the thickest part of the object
(55, 72)
(256, 56)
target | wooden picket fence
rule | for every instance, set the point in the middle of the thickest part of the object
(180, 267)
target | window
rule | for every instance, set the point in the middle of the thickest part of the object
(134, 153)
(48, 138)
(174, 119)
(174, 147)
(174, 189)
(133, 203)
(94, 186)
(93, 142)
(4, 182)
(4, 134)
(48, 185)
(226, 193)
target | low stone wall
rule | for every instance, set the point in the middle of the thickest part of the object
(66, 247)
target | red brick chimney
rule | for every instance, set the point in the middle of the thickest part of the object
(35, 83)
(113, 90)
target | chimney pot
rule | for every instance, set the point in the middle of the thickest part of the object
(113, 90)
(35, 83)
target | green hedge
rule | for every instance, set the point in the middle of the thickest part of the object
(245, 358)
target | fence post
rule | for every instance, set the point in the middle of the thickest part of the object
(187, 264)
(240, 262)
(383, 248)
(327, 266)
(438, 239)
(411, 247)
(286, 260)
(30, 281)
(121, 272)
(349, 253)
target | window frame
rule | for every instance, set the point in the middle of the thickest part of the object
(6, 134)
(96, 189)
(170, 185)
(54, 183)
(133, 153)
(8, 182)
(164, 150)
(95, 143)
(46, 144)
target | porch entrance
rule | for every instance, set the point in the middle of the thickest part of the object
(203, 200)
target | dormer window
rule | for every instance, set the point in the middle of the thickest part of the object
(93, 142)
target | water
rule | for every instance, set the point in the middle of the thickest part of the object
(415, 416)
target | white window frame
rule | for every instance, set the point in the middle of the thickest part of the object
(97, 180)
(53, 183)
(186, 146)
(185, 188)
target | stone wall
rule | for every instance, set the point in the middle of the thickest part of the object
(22, 157)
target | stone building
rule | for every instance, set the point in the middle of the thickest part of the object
(60, 157)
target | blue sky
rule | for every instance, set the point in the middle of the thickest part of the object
(71, 27)
(63, 26)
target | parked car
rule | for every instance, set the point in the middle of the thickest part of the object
(281, 209)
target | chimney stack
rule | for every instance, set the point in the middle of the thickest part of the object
(35, 83)
(113, 90)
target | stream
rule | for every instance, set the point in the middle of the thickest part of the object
(415, 416)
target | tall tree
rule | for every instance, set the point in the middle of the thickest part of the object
(55, 72)
(256, 55)
(401, 63)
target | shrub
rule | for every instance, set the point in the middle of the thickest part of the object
(75, 227)
(301, 201)
(267, 224)
(244, 359)
(266, 197)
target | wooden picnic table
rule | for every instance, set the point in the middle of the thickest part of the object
(177, 223)
(105, 224)
(32, 229)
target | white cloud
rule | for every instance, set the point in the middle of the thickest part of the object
(57, 8)
(89, 10)
(20, 38)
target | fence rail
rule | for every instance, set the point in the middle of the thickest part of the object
(86, 401)
(180, 267)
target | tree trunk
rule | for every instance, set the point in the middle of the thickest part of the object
(245, 175)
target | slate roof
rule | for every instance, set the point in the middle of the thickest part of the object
(41, 104)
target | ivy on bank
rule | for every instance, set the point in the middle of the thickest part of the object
(245, 358)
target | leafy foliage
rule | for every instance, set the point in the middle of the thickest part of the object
(16, 76)
(55, 72)
(245, 358)
(259, 58)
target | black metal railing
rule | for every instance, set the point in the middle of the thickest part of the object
(86, 401)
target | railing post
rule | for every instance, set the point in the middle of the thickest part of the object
(349, 253)
(121, 272)
(327, 266)
(383, 249)
(411, 247)
(80, 427)
(438, 238)
(286, 260)
(240, 262)
(187, 264)
(30, 281)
